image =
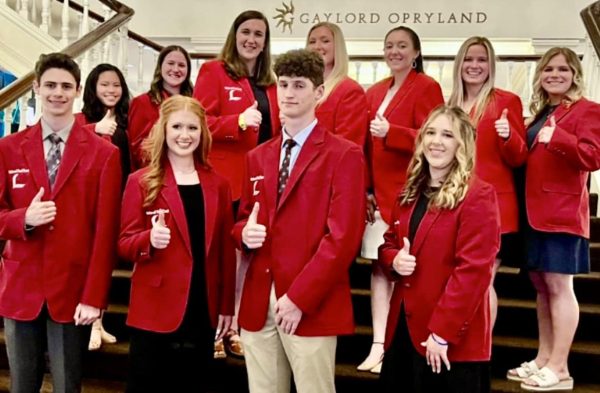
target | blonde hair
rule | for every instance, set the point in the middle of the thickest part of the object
(340, 59)
(539, 98)
(459, 91)
(455, 186)
(155, 146)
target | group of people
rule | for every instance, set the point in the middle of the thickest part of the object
(245, 197)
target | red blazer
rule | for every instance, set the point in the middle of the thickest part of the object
(313, 234)
(69, 260)
(447, 294)
(406, 113)
(345, 111)
(143, 113)
(496, 157)
(224, 99)
(557, 172)
(161, 278)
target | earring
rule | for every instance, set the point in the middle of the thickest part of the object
(414, 63)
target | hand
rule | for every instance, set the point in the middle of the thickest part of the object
(379, 126)
(545, 134)
(502, 125)
(254, 234)
(108, 125)
(287, 315)
(436, 353)
(404, 263)
(40, 213)
(252, 115)
(85, 315)
(160, 235)
(371, 208)
(223, 326)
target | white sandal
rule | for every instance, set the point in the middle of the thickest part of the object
(524, 371)
(547, 381)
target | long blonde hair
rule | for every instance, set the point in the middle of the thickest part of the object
(455, 186)
(485, 95)
(155, 146)
(340, 59)
(539, 98)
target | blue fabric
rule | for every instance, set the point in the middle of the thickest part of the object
(557, 253)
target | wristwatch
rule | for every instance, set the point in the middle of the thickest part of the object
(242, 122)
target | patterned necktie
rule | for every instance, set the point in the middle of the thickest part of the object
(53, 157)
(284, 171)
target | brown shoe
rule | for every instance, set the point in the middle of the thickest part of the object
(233, 344)
(219, 350)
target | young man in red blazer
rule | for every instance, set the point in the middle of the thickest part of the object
(59, 214)
(302, 214)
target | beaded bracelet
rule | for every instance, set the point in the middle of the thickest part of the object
(438, 342)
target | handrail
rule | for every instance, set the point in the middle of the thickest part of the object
(123, 14)
(591, 20)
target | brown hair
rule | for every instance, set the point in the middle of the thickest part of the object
(301, 63)
(156, 87)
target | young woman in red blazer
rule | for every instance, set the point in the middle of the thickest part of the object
(343, 108)
(240, 97)
(175, 226)
(171, 76)
(440, 251)
(564, 146)
(498, 117)
(105, 106)
(398, 107)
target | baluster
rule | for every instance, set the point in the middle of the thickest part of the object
(34, 13)
(374, 66)
(440, 73)
(8, 119)
(64, 41)
(24, 11)
(140, 77)
(510, 83)
(85, 24)
(45, 16)
(122, 54)
(357, 66)
(23, 112)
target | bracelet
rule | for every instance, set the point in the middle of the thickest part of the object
(438, 342)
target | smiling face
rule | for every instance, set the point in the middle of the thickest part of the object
(57, 89)
(182, 134)
(250, 39)
(556, 78)
(320, 40)
(297, 97)
(399, 51)
(439, 146)
(108, 89)
(476, 66)
(174, 70)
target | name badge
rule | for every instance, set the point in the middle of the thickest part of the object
(233, 93)
(15, 177)
(255, 181)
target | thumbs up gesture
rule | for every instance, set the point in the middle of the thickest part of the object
(545, 134)
(252, 116)
(502, 125)
(40, 212)
(160, 235)
(254, 234)
(108, 125)
(404, 263)
(379, 126)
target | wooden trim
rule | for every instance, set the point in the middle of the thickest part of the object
(591, 20)
(123, 14)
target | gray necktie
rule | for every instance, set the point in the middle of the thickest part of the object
(53, 157)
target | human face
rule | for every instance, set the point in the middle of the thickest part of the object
(108, 89)
(557, 78)
(57, 89)
(399, 51)
(320, 40)
(297, 97)
(439, 146)
(174, 70)
(182, 134)
(250, 41)
(476, 66)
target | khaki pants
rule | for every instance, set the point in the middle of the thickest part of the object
(272, 356)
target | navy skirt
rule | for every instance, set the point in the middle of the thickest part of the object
(557, 252)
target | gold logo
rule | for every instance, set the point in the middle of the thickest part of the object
(285, 16)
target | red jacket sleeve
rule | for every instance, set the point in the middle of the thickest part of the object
(134, 238)
(513, 149)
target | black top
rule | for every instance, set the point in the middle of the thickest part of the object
(196, 314)
(419, 212)
(260, 94)
(537, 124)
(119, 139)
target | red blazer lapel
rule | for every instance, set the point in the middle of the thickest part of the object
(407, 85)
(33, 150)
(379, 94)
(75, 148)
(271, 174)
(247, 90)
(211, 204)
(170, 194)
(427, 222)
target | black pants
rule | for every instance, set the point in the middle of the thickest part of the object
(166, 362)
(405, 370)
(26, 344)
